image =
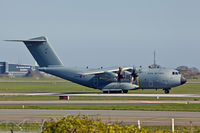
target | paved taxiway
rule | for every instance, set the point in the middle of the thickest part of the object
(95, 102)
(99, 94)
(129, 117)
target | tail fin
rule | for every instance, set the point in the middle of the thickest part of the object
(41, 51)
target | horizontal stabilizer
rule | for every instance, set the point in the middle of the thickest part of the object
(26, 40)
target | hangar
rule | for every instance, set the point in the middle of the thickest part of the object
(15, 70)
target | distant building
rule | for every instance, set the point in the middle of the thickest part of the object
(16, 70)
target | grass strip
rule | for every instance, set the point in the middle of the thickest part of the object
(20, 127)
(149, 107)
(52, 85)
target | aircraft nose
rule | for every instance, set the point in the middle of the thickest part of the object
(183, 80)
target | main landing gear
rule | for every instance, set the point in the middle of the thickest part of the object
(110, 92)
(124, 91)
(166, 90)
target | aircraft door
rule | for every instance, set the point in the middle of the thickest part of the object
(150, 83)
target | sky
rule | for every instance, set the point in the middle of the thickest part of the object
(104, 33)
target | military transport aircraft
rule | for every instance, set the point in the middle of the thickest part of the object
(108, 80)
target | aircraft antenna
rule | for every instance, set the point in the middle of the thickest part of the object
(154, 61)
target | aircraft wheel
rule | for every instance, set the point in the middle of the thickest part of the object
(105, 92)
(166, 91)
(115, 91)
(120, 91)
(125, 91)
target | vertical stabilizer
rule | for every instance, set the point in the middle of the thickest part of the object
(41, 51)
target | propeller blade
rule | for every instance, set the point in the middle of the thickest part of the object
(120, 74)
(134, 74)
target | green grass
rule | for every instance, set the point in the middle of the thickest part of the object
(182, 129)
(54, 85)
(149, 107)
(43, 87)
(31, 79)
(72, 87)
(21, 127)
(59, 85)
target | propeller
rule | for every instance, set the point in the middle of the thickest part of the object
(134, 74)
(119, 74)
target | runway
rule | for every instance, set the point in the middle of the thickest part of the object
(86, 94)
(128, 117)
(97, 102)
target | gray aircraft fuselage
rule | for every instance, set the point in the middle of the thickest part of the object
(151, 78)
(156, 78)
(106, 80)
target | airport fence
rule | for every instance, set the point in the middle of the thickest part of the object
(24, 126)
(34, 126)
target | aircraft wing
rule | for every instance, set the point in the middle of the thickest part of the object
(101, 71)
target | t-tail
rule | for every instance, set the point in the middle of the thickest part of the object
(41, 51)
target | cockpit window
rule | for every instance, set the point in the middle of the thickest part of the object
(175, 73)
